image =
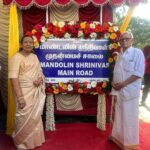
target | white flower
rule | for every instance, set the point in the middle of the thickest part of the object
(96, 22)
(93, 35)
(92, 25)
(106, 36)
(71, 22)
(70, 88)
(110, 47)
(89, 86)
(93, 84)
(43, 39)
(67, 35)
(61, 24)
(110, 23)
(44, 29)
(115, 28)
(34, 38)
(51, 36)
(54, 22)
(80, 34)
(118, 44)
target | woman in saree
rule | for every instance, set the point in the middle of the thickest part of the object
(29, 93)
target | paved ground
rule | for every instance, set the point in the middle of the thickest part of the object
(144, 114)
(145, 110)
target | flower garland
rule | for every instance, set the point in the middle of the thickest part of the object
(76, 87)
(80, 30)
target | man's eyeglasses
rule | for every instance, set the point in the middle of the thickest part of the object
(125, 39)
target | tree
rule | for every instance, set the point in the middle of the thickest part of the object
(138, 26)
(140, 29)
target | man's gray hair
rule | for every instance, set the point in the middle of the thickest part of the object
(129, 33)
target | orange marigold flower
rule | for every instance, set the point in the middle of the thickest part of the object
(104, 84)
(34, 31)
(113, 36)
(60, 84)
(36, 44)
(82, 25)
(53, 87)
(110, 60)
(111, 29)
(80, 91)
(47, 34)
(56, 91)
(115, 45)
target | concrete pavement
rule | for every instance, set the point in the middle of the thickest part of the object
(144, 111)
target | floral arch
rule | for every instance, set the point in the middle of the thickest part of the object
(80, 30)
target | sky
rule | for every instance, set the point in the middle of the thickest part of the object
(143, 10)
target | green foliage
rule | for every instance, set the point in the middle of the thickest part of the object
(139, 27)
(141, 31)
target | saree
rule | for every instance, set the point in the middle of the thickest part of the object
(28, 132)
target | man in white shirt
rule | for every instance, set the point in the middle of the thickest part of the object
(128, 71)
